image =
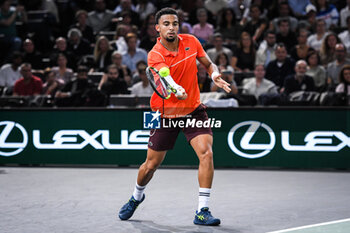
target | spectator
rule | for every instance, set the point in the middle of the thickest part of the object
(60, 47)
(229, 29)
(114, 84)
(145, 8)
(9, 40)
(119, 42)
(193, 13)
(298, 81)
(255, 26)
(277, 70)
(344, 14)
(284, 14)
(204, 82)
(87, 32)
(334, 68)
(140, 66)
(126, 18)
(218, 48)
(134, 54)
(185, 27)
(327, 51)
(266, 50)
(203, 30)
(100, 18)
(28, 85)
(214, 6)
(345, 35)
(328, 12)
(285, 35)
(77, 45)
(51, 85)
(62, 73)
(315, 40)
(51, 8)
(149, 39)
(102, 54)
(300, 50)
(316, 71)
(75, 92)
(298, 7)
(344, 81)
(240, 8)
(228, 76)
(244, 57)
(31, 55)
(149, 21)
(123, 70)
(10, 73)
(223, 62)
(310, 22)
(258, 85)
(142, 88)
(127, 6)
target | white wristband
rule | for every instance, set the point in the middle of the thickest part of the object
(215, 73)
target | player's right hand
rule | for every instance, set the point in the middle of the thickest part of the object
(181, 93)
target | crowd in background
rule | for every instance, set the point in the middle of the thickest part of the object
(80, 52)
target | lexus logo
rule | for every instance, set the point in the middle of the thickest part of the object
(12, 148)
(245, 142)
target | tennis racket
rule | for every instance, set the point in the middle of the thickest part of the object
(158, 83)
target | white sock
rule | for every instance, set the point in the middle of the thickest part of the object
(203, 198)
(138, 192)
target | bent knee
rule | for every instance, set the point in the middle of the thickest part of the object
(206, 155)
(151, 166)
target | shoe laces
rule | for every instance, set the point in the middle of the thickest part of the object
(206, 212)
(132, 203)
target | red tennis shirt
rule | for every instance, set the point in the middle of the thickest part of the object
(183, 69)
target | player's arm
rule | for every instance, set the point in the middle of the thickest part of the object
(214, 73)
(180, 91)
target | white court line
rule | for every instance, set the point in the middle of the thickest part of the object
(309, 226)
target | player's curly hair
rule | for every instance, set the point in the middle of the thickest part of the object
(165, 11)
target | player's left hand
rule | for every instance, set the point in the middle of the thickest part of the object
(222, 83)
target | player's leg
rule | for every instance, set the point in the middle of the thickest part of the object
(160, 141)
(202, 145)
(147, 169)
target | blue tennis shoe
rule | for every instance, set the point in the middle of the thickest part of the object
(204, 217)
(129, 208)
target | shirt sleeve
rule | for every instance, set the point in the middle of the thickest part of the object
(200, 50)
(156, 60)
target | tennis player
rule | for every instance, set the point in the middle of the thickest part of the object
(179, 52)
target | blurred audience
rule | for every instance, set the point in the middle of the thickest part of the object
(133, 54)
(10, 73)
(203, 30)
(298, 81)
(244, 57)
(28, 84)
(316, 70)
(277, 70)
(114, 84)
(258, 85)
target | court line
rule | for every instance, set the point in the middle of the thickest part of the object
(310, 226)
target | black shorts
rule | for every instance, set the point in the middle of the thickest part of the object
(164, 138)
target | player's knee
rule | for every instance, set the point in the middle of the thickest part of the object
(206, 156)
(151, 166)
